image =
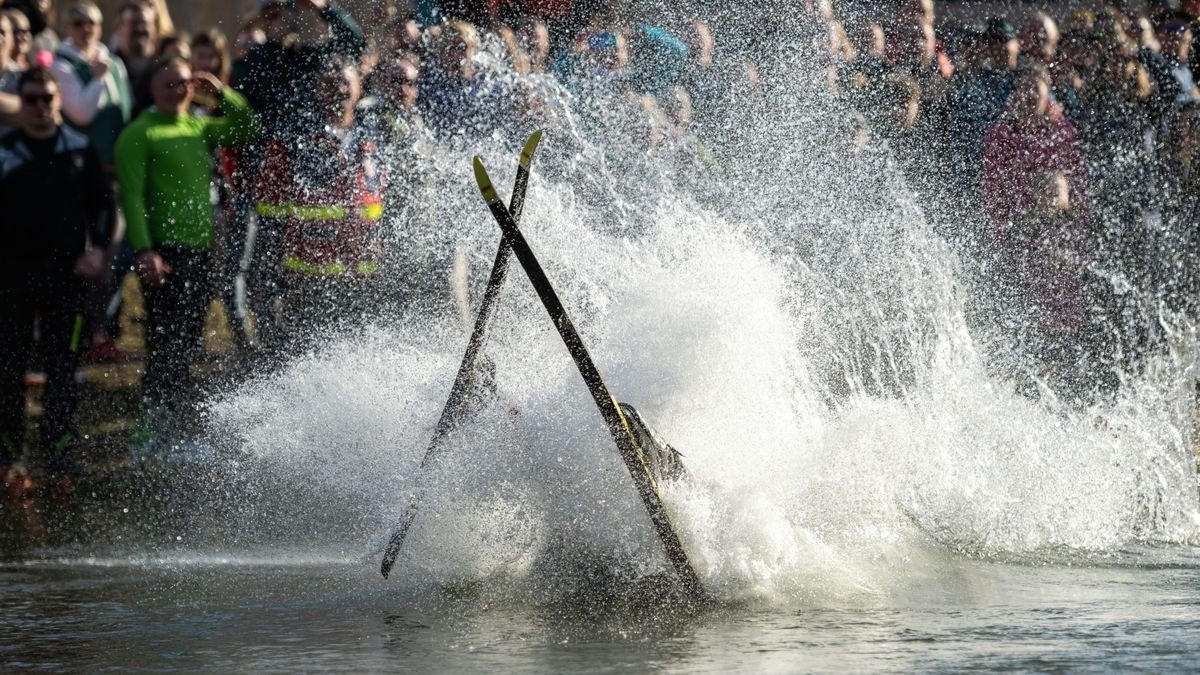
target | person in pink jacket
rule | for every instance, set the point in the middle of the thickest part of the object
(1034, 192)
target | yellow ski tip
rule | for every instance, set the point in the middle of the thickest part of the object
(530, 147)
(485, 183)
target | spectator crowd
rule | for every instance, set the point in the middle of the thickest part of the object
(1060, 154)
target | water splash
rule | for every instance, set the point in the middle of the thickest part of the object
(803, 336)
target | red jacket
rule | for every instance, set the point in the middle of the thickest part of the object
(327, 195)
(1047, 252)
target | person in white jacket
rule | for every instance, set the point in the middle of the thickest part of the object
(96, 96)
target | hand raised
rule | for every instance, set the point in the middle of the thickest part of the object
(206, 83)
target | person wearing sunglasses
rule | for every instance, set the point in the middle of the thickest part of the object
(22, 37)
(54, 195)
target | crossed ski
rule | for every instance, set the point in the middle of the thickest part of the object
(618, 424)
(460, 391)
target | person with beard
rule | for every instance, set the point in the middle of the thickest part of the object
(137, 34)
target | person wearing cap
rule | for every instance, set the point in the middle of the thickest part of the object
(279, 76)
(982, 98)
(164, 168)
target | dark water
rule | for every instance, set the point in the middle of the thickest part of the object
(1134, 612)
(825, 531)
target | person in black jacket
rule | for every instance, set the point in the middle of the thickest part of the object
(279, 76)
(54, 197)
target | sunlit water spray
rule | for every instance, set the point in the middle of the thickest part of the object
(803, 341)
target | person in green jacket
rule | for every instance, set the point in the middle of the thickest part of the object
(164, 169)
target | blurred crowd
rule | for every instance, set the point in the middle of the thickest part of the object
(259, 169)
(1059, 153)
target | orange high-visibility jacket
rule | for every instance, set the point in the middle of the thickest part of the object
(327, 194)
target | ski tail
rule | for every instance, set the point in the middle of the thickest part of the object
(516, 205)
(473, 360)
